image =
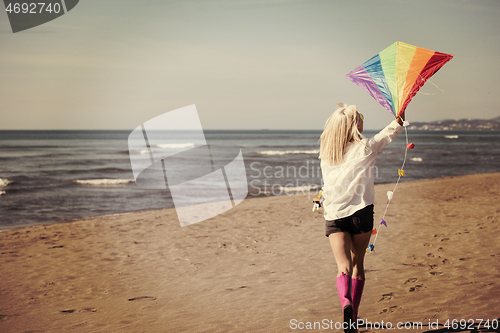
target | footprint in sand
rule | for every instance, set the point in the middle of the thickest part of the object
(414, 265)
(232, 289)
(88, 310)
(390, 310)
(142, 297)
(411, 280)
(386, 297)
(416, 288)
(82, 310)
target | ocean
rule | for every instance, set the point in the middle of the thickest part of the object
(57, 176)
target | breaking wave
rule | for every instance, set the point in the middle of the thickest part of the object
(4, 182)
(175, 145)
(103, 182)
(286, 152)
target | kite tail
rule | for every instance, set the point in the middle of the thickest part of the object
(394, 190)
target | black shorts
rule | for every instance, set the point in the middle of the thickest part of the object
(358, 223)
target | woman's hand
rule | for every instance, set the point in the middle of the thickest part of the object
(401, 118)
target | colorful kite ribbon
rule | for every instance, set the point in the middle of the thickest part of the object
(390, 194)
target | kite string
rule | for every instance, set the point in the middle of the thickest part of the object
(435, 85)
(394, 190)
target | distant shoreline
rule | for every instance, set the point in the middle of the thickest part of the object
(458, 125)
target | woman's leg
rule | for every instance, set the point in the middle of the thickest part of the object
(358, 251)
(341, 247)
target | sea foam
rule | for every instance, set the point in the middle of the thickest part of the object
(4, 182)
(104, 182)
(175, 145)
(303, 188)
(138, 152)
(286, 152)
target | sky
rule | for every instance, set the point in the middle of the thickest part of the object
(246, 64)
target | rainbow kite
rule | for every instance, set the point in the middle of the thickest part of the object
(396, 74)
(392, 78)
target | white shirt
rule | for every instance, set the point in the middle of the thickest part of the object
(349, 187)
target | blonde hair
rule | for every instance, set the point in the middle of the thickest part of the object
(340, 129)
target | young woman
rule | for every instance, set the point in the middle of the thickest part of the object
(347, 163)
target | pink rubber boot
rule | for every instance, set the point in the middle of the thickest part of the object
(357, 291)
(344, 289)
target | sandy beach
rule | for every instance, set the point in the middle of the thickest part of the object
(264, 266)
